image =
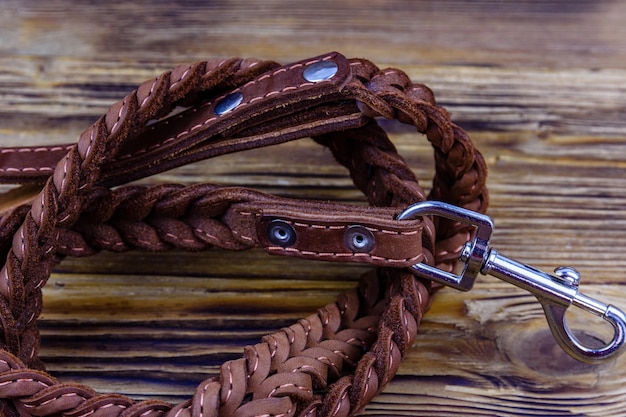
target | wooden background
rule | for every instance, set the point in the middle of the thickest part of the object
(540, 85)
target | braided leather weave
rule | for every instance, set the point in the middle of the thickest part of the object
(330, 364)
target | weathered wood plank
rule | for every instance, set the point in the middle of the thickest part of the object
(540, 84)
(555, 33)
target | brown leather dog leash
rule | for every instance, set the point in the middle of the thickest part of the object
(331, 363)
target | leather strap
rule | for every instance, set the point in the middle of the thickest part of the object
(329, 364)
(201, 216)
(279, 106)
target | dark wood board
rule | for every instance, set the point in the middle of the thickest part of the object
(540, 85)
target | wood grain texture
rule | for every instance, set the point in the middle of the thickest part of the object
(539, 84)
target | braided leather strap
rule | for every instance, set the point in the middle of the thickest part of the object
(329, 364)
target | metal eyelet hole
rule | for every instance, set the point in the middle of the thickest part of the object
(228, 103)
(320, 71)
(281, 233)
(358, 239)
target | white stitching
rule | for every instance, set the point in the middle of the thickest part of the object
(180, 79)
(204, 390)
(338, 407)
(64, 180)
(230, 383)
(92, 137)
(102, 407)
(342, 254)
(38, 149)
(288, 385)
(330, 227)
(143, 102)
(119, 117)
(27, 169)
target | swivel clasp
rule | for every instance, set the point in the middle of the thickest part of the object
(555, 292)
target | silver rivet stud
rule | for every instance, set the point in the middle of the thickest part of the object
(358, 239)
(281, 233)
(466, 252)
(228, 103)
(569, 275)
(320, 71)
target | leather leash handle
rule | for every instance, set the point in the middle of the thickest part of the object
(279, 106)
(283, 374)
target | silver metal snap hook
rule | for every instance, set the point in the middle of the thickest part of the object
(555, 292)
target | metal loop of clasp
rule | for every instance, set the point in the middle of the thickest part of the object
(555, 292)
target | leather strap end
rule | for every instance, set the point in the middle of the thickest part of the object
(324, 231)
(346, 241)
(30, 163)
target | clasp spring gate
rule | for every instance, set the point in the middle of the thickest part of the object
(555, 292)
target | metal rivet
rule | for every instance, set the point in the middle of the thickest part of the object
(320, 71)
(466, 252)
(358, 239)
(569, 275)
(228, 103)
(281, 233)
